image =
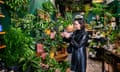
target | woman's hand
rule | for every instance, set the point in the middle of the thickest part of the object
(66, 34)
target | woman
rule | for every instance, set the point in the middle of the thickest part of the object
(77, 45)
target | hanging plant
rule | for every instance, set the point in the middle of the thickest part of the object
(18, 7)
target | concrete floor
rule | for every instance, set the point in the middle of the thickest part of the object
(92, 65)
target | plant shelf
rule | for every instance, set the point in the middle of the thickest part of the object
(2, 2)
(61, 56)
(1, 33)
(3, 46)
(2, 16)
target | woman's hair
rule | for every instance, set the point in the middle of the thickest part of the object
(81, 22)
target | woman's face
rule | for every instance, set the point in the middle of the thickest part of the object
(76, 25)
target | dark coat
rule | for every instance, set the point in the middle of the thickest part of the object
(78, 42)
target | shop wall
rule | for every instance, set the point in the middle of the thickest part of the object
(5, 22)
(36, 4)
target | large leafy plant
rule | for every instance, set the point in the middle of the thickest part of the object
(26, 23)
(36, 28)
(54, 65)
(27, 29)
(18, 45)
(48, 7)
(30, 64)
(32, 26)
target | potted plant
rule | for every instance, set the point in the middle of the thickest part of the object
(17, 46)
(30, 64)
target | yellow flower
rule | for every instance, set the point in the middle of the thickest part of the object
(52, 54)
(47, 31)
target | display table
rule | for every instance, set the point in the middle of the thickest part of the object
(110, 58)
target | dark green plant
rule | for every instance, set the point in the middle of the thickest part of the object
(32, 26)
(64, 65)
(113, 36)
(53, 65)
(18, 45)
(30, 64)
(98, 8)
(17, 7)
(35, 28)
(26, 23)
(57, 42)
(26, 31)
(48, 7)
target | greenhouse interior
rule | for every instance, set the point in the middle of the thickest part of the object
(59, 35)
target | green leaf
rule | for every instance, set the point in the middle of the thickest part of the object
(24, 67)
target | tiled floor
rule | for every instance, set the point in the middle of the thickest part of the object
(94, 66)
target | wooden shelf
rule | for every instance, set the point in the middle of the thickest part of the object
(61, 57)
(2, 16)
(2, 2)
(2, 33)
(3, 46)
